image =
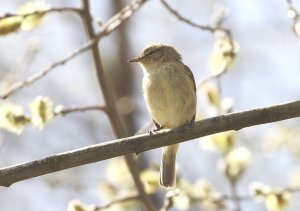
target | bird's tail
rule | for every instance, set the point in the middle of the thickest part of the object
(167, 167)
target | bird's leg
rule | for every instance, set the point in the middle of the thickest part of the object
(158, 128)
(191, 123)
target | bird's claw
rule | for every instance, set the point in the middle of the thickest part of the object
(190, 124)
(155, 130)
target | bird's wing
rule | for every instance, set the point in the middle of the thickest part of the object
(190, 74)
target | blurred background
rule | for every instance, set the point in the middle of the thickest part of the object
(265, 71)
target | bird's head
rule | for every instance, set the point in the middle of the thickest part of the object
(156, 54)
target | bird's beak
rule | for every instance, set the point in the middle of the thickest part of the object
(137, 59)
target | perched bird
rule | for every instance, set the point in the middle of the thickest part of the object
(170, 94)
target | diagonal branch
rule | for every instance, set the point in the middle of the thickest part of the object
(114, 117)
(189, 22)
(212, 29)
(42, 12)
(107, 28)
(141, 143)
(68, 110)
(117, 201)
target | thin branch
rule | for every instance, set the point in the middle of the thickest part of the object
(36, 76)
(292, 190)
(117, 201)
(65, 111)
(249, 197)
(168, 201)
(212, 29)
(115, 119)
(141, 143)
(68, 110)
(180, 17)
(235, 197)
(107, 28)
(103, 82)
(42, 12)
(239, 198)
(211, 77)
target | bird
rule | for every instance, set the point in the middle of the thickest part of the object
(170, 94)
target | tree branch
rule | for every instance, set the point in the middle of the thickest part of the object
(141, 143)
(235, 197)
(117, 201)
(107, 28)
(212, 29)
(189, 22)
(42, 12)
(114, 118)
(68, 110)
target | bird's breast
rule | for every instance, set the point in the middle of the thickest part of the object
(169, 95)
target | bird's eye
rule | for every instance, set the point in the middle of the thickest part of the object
(150, 53)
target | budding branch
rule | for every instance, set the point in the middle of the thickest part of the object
(141, 143)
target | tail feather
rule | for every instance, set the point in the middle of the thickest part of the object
(168, 168)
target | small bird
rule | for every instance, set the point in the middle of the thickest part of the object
(170, 94)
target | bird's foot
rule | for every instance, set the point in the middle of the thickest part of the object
(190, 124)
(158, 128)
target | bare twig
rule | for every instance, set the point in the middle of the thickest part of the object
(249, 197)
(42, 12)
(235, 197)
(117, 201)
(180, 17)
(68, 110)
(292, 190)
(114, 117)
(239, 198)
(107, 28)
(211, 77)
(141, 143)
(168, 201)
(45, 71)
(212, 29)
(65, 111)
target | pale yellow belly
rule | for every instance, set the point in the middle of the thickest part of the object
(170, 97)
